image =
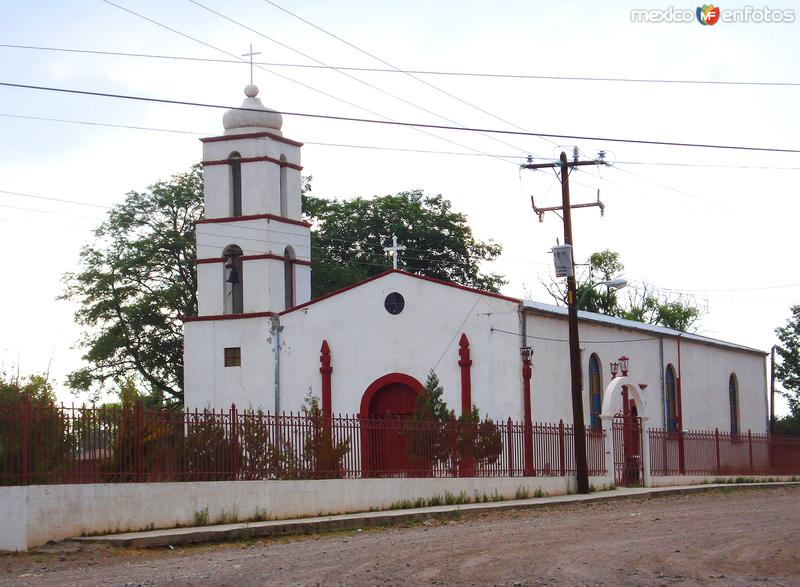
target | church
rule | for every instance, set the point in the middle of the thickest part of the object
(260, 342)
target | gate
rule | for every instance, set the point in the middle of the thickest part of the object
(627, 432)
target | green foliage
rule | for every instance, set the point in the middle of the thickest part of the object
(788, 425)
(428, 439)
(641, 303)
(350, 236)
(480, 440)
(430, 405)
(788, 369)
(31, 426)
(207, 448)
(137, 280)
(322, 455)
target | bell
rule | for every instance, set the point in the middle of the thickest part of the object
(233, 276)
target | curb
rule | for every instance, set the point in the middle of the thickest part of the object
(273, 528)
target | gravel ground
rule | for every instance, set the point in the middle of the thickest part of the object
(727, 537)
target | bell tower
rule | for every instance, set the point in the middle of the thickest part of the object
(253, 248)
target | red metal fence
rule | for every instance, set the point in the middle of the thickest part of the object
(719, 453)
(41, 444)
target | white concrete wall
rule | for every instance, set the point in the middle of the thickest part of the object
(209, 384)
(36, 514)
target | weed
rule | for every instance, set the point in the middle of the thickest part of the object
(540, 492)
(522, 493)
(435, 500)
(227, 517)
(201, 517)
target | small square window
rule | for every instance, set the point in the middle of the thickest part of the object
(233, 357)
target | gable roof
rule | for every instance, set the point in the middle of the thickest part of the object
(542, 308)
(561, 312)
(407, 274)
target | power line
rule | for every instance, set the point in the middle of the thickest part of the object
(397, 149)
(520, 76)
(108, 124)
(403, 124)
(349, 76)
(54, 199)
(294, 81)
(706, 165)
(493, 329)
(395, 68)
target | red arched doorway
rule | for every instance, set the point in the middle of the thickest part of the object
(387, 403)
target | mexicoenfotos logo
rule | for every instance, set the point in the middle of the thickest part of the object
(707, 14)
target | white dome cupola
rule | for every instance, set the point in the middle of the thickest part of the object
(256, 117)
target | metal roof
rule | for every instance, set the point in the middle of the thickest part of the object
(634, 325)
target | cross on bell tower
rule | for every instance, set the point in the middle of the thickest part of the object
(394, 250)
(250, 55)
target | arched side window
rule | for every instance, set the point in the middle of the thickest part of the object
(288, 278)
(670, 400)
(283, 188)
(595, 392)
(234, 298)
(236, 183)
(733, 399)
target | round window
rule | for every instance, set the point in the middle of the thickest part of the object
(394, 303)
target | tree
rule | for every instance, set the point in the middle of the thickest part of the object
(349, 235)
(642, 304)
(136, 281)
(787, 370)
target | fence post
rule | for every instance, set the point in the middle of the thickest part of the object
(234, 419)
(455, 470)
(316, 432)
(716, 441)
(137, 442)
(750, 446)
(561, 449)
(510, 445)
(25, 440)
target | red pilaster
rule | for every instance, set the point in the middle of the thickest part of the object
(466, 380)
(467, 463)
(527, 371)
(325, 369)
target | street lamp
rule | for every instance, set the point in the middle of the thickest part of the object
(611, 284)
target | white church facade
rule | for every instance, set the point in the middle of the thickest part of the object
(260, 342)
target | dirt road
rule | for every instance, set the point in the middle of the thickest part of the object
(728, 537)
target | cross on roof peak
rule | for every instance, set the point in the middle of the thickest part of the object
(395, 250)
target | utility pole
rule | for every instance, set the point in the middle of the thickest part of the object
(772, 390)
(581, 466)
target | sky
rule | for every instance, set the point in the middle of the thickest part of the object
(716, 224)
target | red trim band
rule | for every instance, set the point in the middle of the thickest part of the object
(253, 160)
(228, 317)
(251, 135)
(274, 217)
(254, 257)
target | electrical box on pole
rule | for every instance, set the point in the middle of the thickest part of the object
(562, 258)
